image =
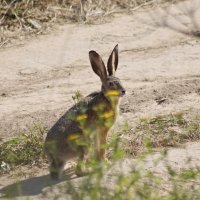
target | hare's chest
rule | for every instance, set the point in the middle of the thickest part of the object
(107, 118)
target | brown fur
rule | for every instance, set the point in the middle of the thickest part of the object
(87, 123)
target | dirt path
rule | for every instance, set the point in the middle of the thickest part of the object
(38, 78)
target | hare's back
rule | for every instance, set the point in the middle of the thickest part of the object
(65, 126)
(68, 124)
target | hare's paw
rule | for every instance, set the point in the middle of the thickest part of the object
(82, 169)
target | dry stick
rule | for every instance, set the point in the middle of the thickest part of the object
(113, 11)
(82, 12)
(4, 42)
(25, 11)
(9, 6)
(132, 9)
(142, 5)
(18, 19)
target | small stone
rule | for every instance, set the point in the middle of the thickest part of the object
(3, 94)
(34, 23)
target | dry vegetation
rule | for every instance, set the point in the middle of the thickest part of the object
(139, 184)
(26, 17)
(163, 131)
(149, 133)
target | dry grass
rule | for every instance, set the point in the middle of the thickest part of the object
(162, 131)
(19, 13)
(150, 133)
(21, 18)
(33, 16)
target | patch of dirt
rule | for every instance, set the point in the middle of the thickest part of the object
(158, 66)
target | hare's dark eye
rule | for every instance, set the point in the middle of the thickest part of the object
(111, 83)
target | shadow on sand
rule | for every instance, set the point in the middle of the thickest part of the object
(32, 186)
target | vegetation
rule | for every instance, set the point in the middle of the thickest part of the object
(21, 18)
(34, 16)
(109, 181)
(162, 131)
(149, 133)
(136, 185)
(19, 11)
(105, 182)
(25, 148)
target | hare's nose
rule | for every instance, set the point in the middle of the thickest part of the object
(123, 92)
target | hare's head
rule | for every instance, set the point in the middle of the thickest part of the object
(111, 85)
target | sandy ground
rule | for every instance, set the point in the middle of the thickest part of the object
(39, 77)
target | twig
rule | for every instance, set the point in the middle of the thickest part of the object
(142, 5)
(9, 6)
(18, 19)
(4, 42)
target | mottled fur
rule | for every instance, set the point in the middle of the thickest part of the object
(87, 123)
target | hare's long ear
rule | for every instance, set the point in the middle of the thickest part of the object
(113, 62)
(98, 65)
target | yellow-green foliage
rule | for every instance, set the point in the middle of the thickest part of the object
(162, 131)
(25, 148)
(140, 184)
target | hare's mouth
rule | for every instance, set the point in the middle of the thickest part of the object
(115, 93)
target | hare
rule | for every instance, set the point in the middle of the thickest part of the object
(87, 123)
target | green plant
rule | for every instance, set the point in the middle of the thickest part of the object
(26, 148)
(162, 131)
(107, 183)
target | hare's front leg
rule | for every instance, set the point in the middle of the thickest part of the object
(101, 144)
